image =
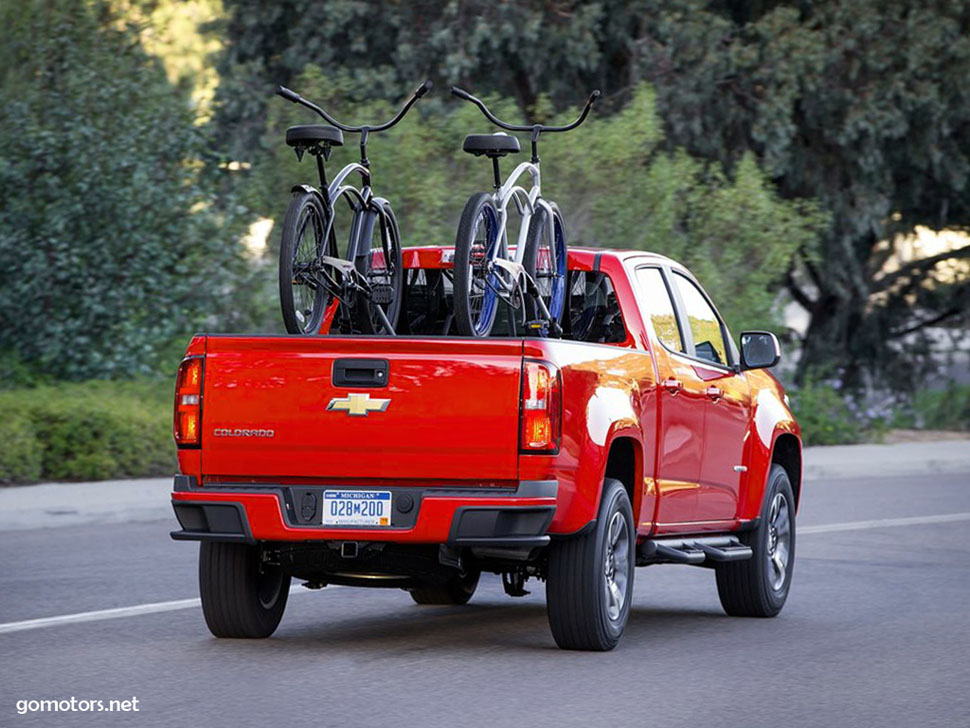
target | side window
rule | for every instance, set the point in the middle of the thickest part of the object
(594, 312)
(705, 327)
(655, 300)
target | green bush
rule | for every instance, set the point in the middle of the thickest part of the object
(830, 417)
(86, 431)
(21, 453)
(942, 409)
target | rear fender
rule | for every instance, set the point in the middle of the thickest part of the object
(610, 415)
(308, 189)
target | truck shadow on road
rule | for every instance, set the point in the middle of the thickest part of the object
(517, 627)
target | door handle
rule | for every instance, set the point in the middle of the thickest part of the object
(360, 373)
(714, 393)
(672, 385)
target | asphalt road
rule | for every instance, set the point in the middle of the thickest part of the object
(876, 632)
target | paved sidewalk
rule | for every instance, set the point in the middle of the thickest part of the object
(116, 501)
(903, 458)
(71, 504)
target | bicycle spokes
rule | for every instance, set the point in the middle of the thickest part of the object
(310, 244)
(550, 270)
(483, 279)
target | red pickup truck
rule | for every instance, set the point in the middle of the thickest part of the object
(642, 436)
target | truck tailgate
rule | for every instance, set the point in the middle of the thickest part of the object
(452, 413)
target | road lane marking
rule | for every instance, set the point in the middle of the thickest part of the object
(883, 523)
(117, 613)
(99, 615)
(157, 607)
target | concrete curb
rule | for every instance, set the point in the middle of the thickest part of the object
(127, 501)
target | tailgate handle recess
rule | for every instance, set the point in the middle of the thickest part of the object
(360, 372)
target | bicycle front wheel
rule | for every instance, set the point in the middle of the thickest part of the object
(545, 261)
(476, 245)
(304, 239)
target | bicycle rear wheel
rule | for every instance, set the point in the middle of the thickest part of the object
(476, 245)
(545, 260)
(304, 239)
(380, 263)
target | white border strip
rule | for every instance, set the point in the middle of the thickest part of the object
(158, 607)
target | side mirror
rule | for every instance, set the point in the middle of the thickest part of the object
(759, 350)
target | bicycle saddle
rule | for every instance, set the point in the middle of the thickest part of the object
(491, 145)
(306, 135)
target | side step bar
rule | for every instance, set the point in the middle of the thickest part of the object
(692, 550)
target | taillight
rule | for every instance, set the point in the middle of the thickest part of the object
(188, 403)
(541, 407)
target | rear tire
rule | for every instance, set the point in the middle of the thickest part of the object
(389, 275)
(475, 303)
(458, 590)
(546, 264)
(757, 587)
(581, 614)
(240, 596)
(302, 241)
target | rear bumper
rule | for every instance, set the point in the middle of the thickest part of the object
(473, 517)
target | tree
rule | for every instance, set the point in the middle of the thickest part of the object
(108, 249)
(562, 49)
(861, 105)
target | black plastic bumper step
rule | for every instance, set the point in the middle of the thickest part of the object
(692, 550)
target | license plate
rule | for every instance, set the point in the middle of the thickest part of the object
(357, 508)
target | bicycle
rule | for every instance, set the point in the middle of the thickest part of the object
(485, 269)
(365, 280)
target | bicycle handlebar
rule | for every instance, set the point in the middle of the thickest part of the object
(297, 99)
(462, 94)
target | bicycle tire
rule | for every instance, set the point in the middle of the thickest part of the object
(365, 316)
(547, 269)
(302, 313)
(470, 319)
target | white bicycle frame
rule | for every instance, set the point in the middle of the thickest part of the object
(526, 203)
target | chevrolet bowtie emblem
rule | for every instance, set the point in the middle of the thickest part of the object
(359, 405)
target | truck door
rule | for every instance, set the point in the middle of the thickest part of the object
(683, 404)
(726, 395)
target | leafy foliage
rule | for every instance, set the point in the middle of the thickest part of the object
(518, 50)
(937, 409)
(829, 415)
(860, 105)
(86, 431)
(109, 250)
(21, 453)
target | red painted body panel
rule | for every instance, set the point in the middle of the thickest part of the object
(454, 415)
(266, 521)
(453, 410)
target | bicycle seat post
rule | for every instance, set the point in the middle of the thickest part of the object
(322, 171)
